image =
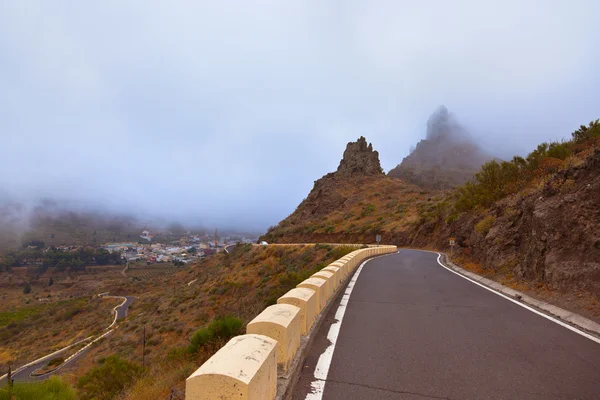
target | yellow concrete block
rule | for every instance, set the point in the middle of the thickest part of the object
(342, 265)
(328, 276)
(337, 273)
(319, 285)
(245, 368)
(348, 259)
(282, 323)
(306, 300)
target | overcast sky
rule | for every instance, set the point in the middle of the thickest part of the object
(225, 112)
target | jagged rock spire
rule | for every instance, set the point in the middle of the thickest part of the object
(359, 159)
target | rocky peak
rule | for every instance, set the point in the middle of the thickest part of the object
(359, 159)
(447, 157)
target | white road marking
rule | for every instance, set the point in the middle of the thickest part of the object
(324, 362)
(322, 368)
(533, 310)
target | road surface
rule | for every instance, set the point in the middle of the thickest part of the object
(414, 330)
(25, 374)
(122, 309)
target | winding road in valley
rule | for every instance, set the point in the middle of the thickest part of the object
(24, 373)
(408, 328)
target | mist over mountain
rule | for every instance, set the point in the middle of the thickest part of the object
(448, 156)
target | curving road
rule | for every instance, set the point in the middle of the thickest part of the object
(122, 309)
(25, 373)
(407, 328)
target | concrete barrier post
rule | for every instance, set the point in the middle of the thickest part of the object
(337, 273)
(319, 286)
(282, 323)
(343, 266)
(328, 276)
(306, 300)
(245, 368)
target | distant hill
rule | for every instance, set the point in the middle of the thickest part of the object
(353, 204)
(447, 157)
(55, 225)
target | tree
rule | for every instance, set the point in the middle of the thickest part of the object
(62, 265)
(51, 282)
(27, 288)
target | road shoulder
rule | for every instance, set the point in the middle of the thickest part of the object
(572, 319)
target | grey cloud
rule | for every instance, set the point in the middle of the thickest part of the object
(226, 112)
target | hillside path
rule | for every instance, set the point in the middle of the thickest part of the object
(411, 329)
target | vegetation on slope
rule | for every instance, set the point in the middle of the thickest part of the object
(531, 220)
(497, 180)
(189, 314)
(54, 388)
(353, 210)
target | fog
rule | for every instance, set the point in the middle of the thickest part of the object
(224, 113)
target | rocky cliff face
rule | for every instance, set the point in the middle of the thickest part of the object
(550, 235)
(359, 159)
(447, 157)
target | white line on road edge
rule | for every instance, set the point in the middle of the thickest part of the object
(114, 310)
(559, 322)
(322, 368)
(44, 358)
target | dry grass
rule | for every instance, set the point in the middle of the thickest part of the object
(239, 284)
(367, 206)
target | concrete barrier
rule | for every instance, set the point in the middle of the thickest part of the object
(306, 300)
(282, 323)
(337, 273)
(328, 276)
(245, 368)
(319, 285)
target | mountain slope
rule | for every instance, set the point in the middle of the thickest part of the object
(353, 204)
(447, 157)
(532, 222)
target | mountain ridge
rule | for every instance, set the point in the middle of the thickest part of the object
(447, 157)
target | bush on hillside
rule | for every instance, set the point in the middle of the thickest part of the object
(52, 389)
(108, 380)
(587, 132)
(484, 226)
(497, 180)
(220, 328)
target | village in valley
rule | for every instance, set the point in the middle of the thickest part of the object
(188, 248)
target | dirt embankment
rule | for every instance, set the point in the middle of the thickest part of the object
(549, 236)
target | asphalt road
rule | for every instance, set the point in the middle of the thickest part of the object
(25, 374)
(122, 309)
(414, 330)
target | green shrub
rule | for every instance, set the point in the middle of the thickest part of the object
(108, 380)
(484, 226)
(220, 328)
(452, 217)
(367, 210)
(52, 389)
(587, 132)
